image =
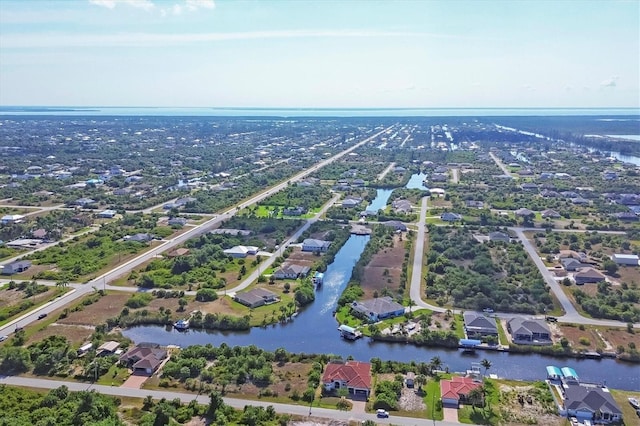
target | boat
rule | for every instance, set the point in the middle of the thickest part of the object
(317, 279)
(349, 333)
(634, 403)
(181, 325)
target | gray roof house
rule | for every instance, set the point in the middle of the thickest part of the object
(291, 271)
(499, 236)
(588, 276)
(529, 331)
(571, 264)
(549, 213)
(311, 244)
(478, 325)
(591, 402)
(141, 238)
(525, 212)
(350, 202)
(377, 309)
(395, 224)
(450, 217)
(256, 297)
(401, 206)
(16, 267)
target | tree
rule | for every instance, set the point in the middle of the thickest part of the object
(215, 402)
(475, 397)
(420, 380)
(436, 364)
(183, 303)
(343, 405)
(287, 287)
(486, 364)
(610, 266)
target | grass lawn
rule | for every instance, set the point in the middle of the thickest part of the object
(502, 336)
(628, 412)
(115, 376)
(432, 400)
(459, 321)
(487, 415)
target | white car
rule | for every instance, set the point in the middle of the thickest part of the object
(487, 310)
(3, 338)
(382, 413)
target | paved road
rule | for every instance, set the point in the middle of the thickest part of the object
(385, 171)
(500, 164)
(455, 175)
(122, 269)
(300, 410)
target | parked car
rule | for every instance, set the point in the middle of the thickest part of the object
(43, 315)
(382, 413)
(551, 319)
(487, 310)
(3, 338)
(634, 402)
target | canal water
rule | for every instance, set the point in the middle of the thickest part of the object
(380, 202)
(314, 330)
(416, 182)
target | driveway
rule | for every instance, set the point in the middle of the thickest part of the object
(450, 414)
(134, 381)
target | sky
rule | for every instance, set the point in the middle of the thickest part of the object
(322, 53)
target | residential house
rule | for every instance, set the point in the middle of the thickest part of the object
(474, 204)
(256, 297)
(547, 193)
(457, 390)
(40, 233)
(529, 331)
(177, 221)
(358, 183)
(439, 177)
(311, 244)
(579, 201)
(395, 224)
(16, 267)
(107, 214)
(11, 218)
(529, 187)
(588, 276)
(401, 206)
(625, 259)
(294, 211)
(450, 217)
(499, 236)
(140, 238)
(355, 376)
(591, 402)
(627, 216)
(241, 251)
(84, 202)
(571, 264)
(549, 213)
(479, 325)
(377, 309)
(351, 202)
(144, 359)
(108, 348)
(182, 251)
(523, 212)
(399, 169)
(291, 271)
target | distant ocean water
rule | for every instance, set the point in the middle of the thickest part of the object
(314, 112)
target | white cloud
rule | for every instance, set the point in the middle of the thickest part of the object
(610, 82)
(197, 4)
(138, 4)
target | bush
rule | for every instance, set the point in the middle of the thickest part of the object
(138, 300)
(206, 295)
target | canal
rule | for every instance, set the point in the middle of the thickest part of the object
(314, 330)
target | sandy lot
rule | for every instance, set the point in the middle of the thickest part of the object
(108, 306)
(384, 269)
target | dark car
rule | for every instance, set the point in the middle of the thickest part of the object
(42, 316)
(551, 319)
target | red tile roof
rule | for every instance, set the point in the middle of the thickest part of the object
(355, 374)
(452, 389)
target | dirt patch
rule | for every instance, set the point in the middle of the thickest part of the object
(288, 378)
(76, 334)
(586, 339)
(441, 321)
(384, 269)
(108, 306)
(527, 405)
(302, 258)
(617, 337)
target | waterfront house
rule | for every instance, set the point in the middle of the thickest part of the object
(529, 331)
(590, 402)
(588, 276)
(457, 390)
(377, 309)
(144, 359)
(479, 325)
(256, 297)
(351, 202)
(401, 206)
(355, 376)
(311, 244)
(108, 348)
(16, 267)
(291, 271)
(396, 225)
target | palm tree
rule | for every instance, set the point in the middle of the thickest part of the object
(475, 397)
(486, 364)
(420, 380)
(436, 363)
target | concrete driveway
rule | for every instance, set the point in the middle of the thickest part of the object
(450, 414)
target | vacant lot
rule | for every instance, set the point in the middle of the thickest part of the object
(76, 334)
(586, 339)
(384, 269)
(302, 258)
(108, 306)
(620, 336)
